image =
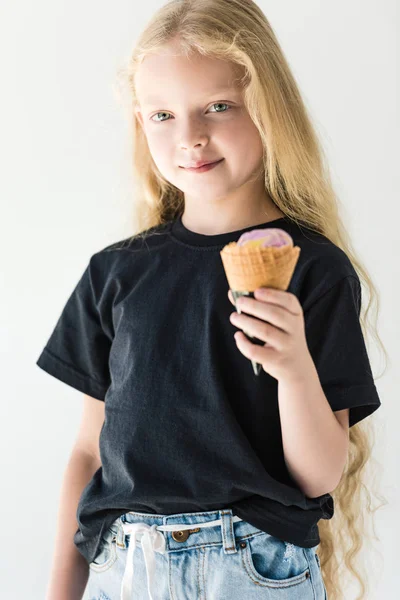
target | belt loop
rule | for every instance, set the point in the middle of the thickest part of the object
(120, 535)
(228, 536)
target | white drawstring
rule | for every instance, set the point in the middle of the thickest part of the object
(152, 540)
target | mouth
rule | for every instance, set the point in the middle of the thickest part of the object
(204, 167)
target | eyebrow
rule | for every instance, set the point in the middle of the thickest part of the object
(157, 100)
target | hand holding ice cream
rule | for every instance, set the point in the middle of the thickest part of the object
(260, 258)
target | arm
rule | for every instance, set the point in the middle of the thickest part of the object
(70, 571)
(315, 441)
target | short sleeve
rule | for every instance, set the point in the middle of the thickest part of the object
(77, 352)
(336, 343)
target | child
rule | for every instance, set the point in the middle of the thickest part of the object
(209, 481)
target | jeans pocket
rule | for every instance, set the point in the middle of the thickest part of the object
(107, 552)
(270, 561)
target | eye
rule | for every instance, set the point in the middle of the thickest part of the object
(221, 104)
(160, 113)
(165, 113)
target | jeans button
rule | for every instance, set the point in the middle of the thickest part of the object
(181, 536)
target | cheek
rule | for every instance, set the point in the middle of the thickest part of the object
(157, 143)
(242, 135)
(249, 134)
(243, 147)
(160, 147)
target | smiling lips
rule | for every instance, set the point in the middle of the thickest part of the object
(200, 163)
(206, 167)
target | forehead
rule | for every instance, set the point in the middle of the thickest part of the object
(173, 75)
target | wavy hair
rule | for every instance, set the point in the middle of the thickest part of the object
(298, 181)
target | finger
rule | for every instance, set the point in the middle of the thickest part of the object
(230, 296)
(259, 354)
(281, 297)
(266, 311)
(266, 332)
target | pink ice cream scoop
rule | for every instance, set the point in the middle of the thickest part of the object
(265, 237)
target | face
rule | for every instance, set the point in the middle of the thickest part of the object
(192, 110)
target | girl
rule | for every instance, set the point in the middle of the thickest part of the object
(197, 479)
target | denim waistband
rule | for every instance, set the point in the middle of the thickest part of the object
(182, 526)
(169, 533)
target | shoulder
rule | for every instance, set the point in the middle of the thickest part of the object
(322, 266)
(114, 256)
(153, 235)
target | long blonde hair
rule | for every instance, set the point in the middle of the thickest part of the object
(297, 180)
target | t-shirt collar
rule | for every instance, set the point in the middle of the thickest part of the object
(181, 233)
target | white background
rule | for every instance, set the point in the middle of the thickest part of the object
(66, 193)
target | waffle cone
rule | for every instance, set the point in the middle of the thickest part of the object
(249, 268)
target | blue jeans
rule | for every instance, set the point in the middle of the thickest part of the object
(200, 556)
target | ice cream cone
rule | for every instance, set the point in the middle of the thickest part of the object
(248, 268)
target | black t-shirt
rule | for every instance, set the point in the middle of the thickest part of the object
(188, 425)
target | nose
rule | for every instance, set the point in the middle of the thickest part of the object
(193, 135)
